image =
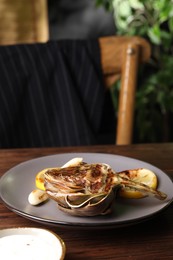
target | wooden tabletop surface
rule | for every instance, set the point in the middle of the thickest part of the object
(152, 239)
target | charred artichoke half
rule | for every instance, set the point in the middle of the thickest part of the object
(89, 189)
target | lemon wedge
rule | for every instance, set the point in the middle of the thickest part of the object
(39, 179)
(142, 175)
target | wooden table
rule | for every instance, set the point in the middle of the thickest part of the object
(152, 239)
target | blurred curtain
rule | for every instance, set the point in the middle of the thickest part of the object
(52, 94)
(23, 21)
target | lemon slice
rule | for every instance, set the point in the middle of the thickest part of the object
(142, 175)
(39, 179)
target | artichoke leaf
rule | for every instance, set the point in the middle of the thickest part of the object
(77, 201)
(92, 208)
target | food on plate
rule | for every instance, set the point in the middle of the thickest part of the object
(89, 189)
(39, 179)
(37, 196)
(141, 175)
(84, 189)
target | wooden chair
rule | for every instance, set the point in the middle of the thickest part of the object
(120, 55)
(23, 21)
(120, 58)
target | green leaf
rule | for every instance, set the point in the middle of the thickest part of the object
(136, 4)
(166, 40)
(154, 34)
(152, 20)
(107, 4)
(170, 24)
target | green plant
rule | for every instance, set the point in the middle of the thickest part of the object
(152, 20)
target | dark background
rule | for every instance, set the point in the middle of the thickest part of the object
(78, 19)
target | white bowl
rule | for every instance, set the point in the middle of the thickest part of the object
(31, 243)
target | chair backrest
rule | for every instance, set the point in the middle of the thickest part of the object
(120, 58)
(23, 21)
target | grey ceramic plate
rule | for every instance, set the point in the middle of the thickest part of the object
(19, 181)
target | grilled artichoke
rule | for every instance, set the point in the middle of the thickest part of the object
(89, 189)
